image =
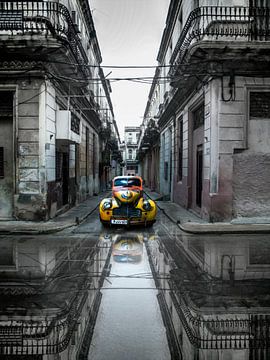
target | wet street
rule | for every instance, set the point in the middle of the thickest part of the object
(129, 321)
(91, 292)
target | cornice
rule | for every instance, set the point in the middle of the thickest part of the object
(170, 21)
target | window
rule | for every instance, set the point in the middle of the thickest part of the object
(87, 153)
(74, 17)
(166, 169)
(8, 257)
(94, 156)
(180, 21)
(180, 149)
(259, 255)
(1, 162)
(127, 182)
(260, 104)
(198, 117)
(170, 49)
(130, 154)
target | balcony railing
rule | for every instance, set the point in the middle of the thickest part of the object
(238, 331)
(221, 23)
(42, 18)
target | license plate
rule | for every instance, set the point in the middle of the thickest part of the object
(119, 222)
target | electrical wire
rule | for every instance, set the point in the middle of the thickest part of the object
(132, 66)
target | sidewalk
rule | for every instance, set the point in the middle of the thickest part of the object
(72, 217)
(191, 223)
(185, 219)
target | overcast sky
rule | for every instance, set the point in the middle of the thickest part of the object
(129, 33)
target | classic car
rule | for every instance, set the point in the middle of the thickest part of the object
(128, 205)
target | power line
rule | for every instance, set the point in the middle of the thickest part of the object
(116, 66)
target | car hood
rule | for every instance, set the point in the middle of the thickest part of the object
(127, 195)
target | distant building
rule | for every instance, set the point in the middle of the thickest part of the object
(131, 143)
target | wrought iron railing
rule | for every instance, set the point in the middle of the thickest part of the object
(35, 337)
(208, 329)
(221, 23)
(228, 331)
(42, 18)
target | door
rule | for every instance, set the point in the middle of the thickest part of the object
(199, 175)
(197, 158)
(6, 155)
(65, 178)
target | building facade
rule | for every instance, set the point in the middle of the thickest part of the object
(213, 109)
(54, 104)
(131, 136)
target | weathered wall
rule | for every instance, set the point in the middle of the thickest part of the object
(251, 168)
(225, 133)
(30, 199)
(251, 185)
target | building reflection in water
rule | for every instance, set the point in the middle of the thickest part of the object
(215, 291)
(50, 295)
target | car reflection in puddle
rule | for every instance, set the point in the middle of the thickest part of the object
(128, 249)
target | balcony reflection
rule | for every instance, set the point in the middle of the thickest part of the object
(216, 291)
(49, 293)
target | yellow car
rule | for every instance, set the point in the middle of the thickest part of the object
(127, 206)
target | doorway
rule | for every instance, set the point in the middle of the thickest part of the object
(6, 155)
(197, 139)
(199, 175)
(62, 174)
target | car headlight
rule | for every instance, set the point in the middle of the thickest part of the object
(146, 205)
(106, 205)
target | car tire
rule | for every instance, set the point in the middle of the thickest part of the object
(105, 224)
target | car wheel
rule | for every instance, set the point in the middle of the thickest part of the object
(105, 223)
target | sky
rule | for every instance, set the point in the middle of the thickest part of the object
(129, 33)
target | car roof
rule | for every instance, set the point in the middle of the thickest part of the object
(127, 177)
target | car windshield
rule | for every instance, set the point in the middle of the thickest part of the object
(127, 182)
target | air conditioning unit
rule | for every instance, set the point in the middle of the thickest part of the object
(68, 126)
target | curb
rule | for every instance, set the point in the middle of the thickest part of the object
(225, 228)
(49, 228)
(215, 228)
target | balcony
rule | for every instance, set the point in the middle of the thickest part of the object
(216, 34)
(40, 31)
